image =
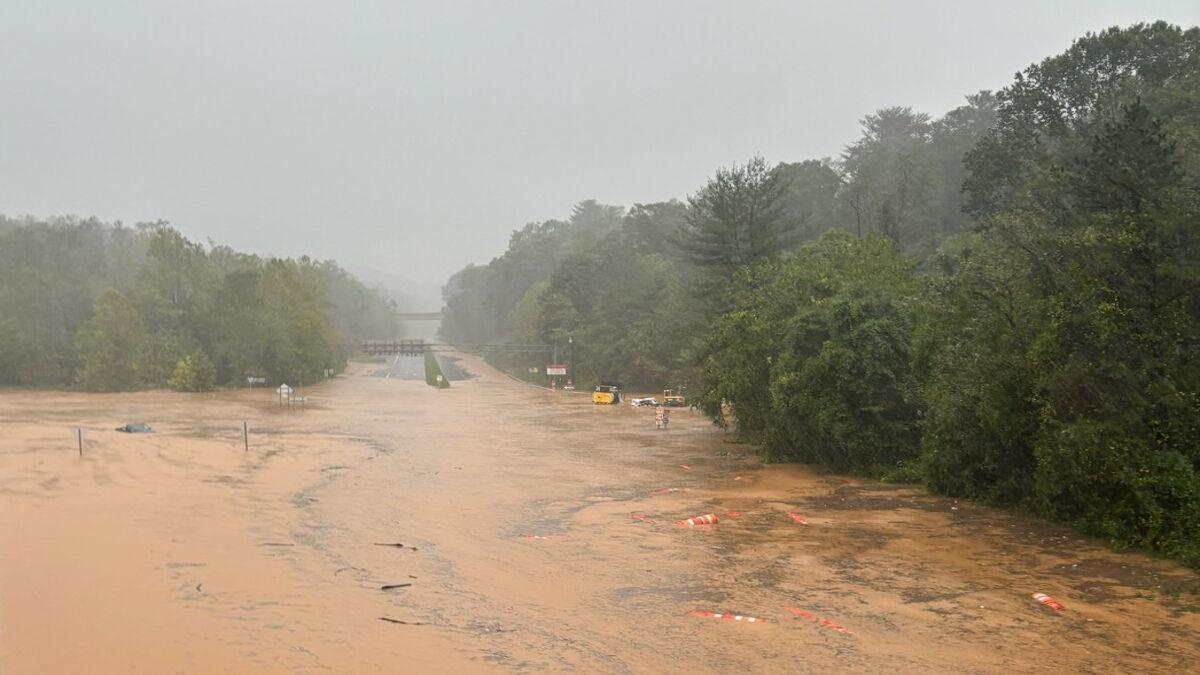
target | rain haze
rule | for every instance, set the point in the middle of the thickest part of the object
(411, 138)
(599, 337)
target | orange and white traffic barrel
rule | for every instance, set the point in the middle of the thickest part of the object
(1048, 601)
(725, 616)
(706, 519)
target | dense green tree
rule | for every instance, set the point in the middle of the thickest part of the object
(1053, 106)
(814, 363)
(51, 272)
(111, 345)
(1066, 339)
(651, 228)
(888, 174)
(194, 372)
(978, 322)
(737, 219)
(810, 197)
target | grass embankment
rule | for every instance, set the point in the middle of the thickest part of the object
(433, 371)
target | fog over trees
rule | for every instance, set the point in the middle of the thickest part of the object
(114, 308)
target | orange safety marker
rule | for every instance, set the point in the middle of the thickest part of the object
(1048, 601)
(725, 616)
(706, 519)
(797, 517)
(816, 619)
(644, 519)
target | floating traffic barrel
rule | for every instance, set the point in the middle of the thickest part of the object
(1048, 601)
(725, 616)
(706, 519)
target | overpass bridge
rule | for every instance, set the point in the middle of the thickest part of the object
(419, 347)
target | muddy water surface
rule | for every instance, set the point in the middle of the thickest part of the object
(510, 511)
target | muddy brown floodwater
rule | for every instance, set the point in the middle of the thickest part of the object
(179, 552)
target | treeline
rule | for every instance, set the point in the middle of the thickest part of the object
(114, 308)
(631, 287)
(1003, 303)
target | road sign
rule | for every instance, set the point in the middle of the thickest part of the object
(556, 369)
(284, 390)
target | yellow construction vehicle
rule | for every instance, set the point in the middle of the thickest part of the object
(606, 394)
(674, 398)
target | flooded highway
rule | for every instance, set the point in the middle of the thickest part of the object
(497, 527)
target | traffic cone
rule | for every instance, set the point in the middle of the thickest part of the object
(706, 519)
(797, 518)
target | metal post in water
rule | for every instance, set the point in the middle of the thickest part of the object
(245, 437)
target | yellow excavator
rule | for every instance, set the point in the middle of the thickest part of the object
(606, 394)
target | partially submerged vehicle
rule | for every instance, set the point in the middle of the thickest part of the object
(674, 398)
(606, 394)
(136, 428)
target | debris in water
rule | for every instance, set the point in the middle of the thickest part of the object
(526, 535)
(644, 519)
(725, 616)
(389, 587)
(1048, 601)
(276, 543)
(402, 623)
(706, 519)
(816, 619)
(797, 517)
(394, 545)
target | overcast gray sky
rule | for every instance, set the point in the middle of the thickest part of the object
(413, 137)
